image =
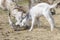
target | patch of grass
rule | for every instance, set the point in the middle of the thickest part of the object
(23, 2)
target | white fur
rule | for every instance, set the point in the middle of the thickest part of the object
(39, 10)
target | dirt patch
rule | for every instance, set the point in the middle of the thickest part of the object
(39, 33)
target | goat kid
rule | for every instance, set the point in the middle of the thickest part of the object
(14, 10)
(18, 13)
(37, 11)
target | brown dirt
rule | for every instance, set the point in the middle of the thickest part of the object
(39, 33)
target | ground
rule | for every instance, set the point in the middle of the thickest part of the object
(39, 33)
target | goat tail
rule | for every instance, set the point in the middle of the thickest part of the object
(54, 5)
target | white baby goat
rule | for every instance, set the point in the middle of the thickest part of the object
(39, 10)
(14, 10)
